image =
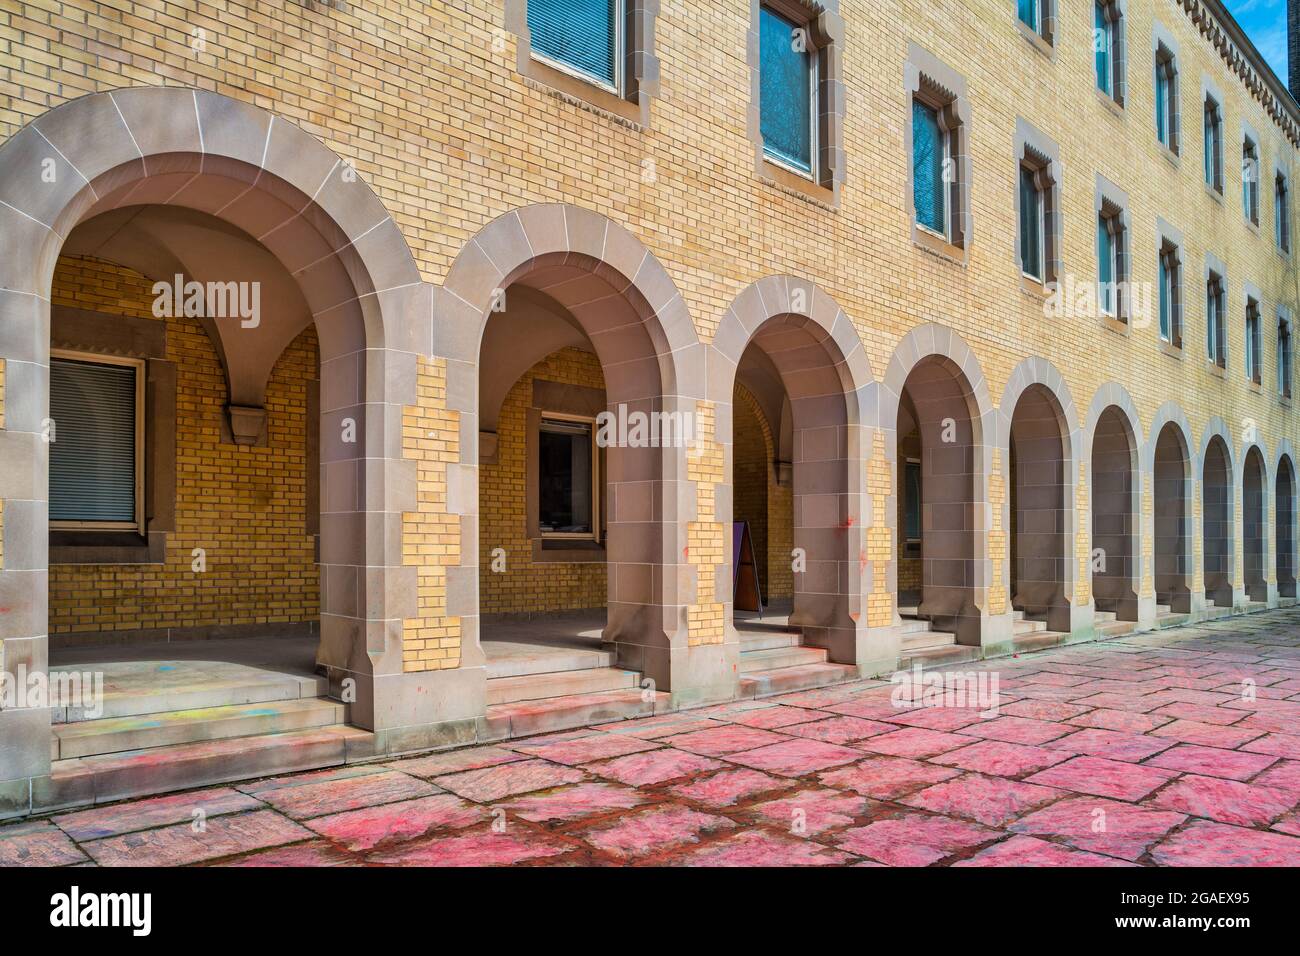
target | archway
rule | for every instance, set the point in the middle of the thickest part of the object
(1038, 508)
(1216, 521)
(1114, 514)
(799, 357)
(1172, 492)
(1254, 530)
(939, 425)
(262, 183)
(1284, 511)
(615, 439)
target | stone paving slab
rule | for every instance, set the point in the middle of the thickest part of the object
(1176, 748)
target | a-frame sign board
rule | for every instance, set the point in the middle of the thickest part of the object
(746, 595)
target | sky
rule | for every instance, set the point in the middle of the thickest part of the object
(1265, 23)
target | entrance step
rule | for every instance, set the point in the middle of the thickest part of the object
(914, 625)
(509, 690)
(784, 680)
(1167, 618)
(775, 657)
(1022, 625)
(523, 718)
(938, 656)
(135, 773)
(927, 640)
(767, 640)
(520, 658)
(1113, 627)
(87, 738)
(135, 688)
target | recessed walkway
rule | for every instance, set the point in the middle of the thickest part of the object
(1185, 741)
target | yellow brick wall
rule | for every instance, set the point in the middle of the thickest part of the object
(431, 536)
(706, 538)
(452, 136)
(245, 506)
(503, 522)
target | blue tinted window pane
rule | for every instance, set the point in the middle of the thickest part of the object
(785, 90)
(1105, 264)
(1162, 98)
(578, 33)
(1028, 10)
(927, 167)
(1030, 225)
(1101, 40)
(1166, 297)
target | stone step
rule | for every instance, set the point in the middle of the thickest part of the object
(135, 773)
(1017, 615)
(772, 658)
(519, 659)
(938, 656)
(85, 738)
(1022, 625)
(1115, 628)
(1035, 641)
(1102, 617)
(183, 687)
(1164, 609)
(508, 690)
(1170, 619)
(784, 680)
(928, 639)
(766, 640)
(522, 718)
(914, 625)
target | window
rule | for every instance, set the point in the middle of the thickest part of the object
(97, 451)
(581, 36)
(912, 505)
(567, 478)
(1033, 211)
(1283, 353)
(1282, 212)
(1108, 48)
(1111, 259)
(1215, 336)
(1250, 180)
(1037, 18)
(1213, 145)
(931, 160)
(1170, 293)
(788, 91)
(1254, 342)
(1166, 95)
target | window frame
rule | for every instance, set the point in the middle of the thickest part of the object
(595, 534)
(1251, 171)
(1285, 356)
(1282, 211)
(1043, 33)
(620, 47)
(1169, 264)
(1253, 340)
(1166, 74)
(933, 84)
(1116, 56)
(140, 366)
(1216, 335)
(825, 31)
(1212, 134)
(1040, 214)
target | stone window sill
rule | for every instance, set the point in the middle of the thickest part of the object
(106, 547)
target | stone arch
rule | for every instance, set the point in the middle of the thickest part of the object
(1168, 459)
(630, 310)
(1253, 479)
(956, 574)
(818, 355)
(1113, 433)
(1284, 521)
(1038, 510)
(1216, 466)
(172, 146)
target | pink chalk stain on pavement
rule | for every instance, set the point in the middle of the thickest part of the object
(1139, 750)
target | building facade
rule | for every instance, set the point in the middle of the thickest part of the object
(420, 330)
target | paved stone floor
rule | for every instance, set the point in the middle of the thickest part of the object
(1168, 749)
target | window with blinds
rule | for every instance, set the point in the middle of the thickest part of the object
(96, 452)
(929, 151)
(582, 35)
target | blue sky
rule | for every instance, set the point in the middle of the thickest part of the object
(1265, 23)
